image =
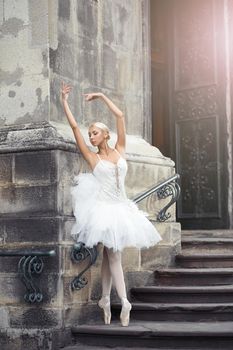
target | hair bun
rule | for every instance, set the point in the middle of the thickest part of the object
(101, 126)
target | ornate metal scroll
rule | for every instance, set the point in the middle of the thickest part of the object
(30, 266)
(171, 189)
(80, 253)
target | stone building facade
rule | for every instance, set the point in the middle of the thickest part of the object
(95, 46)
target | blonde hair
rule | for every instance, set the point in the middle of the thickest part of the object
(101, 126)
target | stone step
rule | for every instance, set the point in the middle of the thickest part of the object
(204, 260)
(93, 347)
(158, 335)
(183, 294)
(207, 245)
(206, 234)
(178, 312)
(195, 276)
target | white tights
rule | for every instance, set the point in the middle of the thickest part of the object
(111, 270)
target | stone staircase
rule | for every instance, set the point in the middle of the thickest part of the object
(188, 307)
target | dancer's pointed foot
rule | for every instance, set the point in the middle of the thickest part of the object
(125, 312)
(104, 303)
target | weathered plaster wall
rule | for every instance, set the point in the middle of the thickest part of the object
(97, 46)
(94, 45)
(24, 62)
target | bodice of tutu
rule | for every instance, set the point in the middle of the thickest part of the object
(111, 178)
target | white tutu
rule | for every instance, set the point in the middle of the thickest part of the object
(104, 215)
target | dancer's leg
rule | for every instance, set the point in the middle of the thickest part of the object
(106, 275)
(115, 266)
(106, 278)
(116, 269)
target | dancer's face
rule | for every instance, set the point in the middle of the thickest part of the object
(96, 135)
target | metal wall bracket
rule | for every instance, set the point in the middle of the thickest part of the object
(80, 252)
(29, 266)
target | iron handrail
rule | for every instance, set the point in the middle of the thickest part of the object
(8, 252)
(166, 188)
(139, 197)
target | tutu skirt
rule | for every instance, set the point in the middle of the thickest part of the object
(115, 224)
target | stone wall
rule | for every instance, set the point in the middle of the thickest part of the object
(24, 72)
(94, 45)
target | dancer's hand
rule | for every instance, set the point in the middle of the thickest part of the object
(92, 96)
(65, 90)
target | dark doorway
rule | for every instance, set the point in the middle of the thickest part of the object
(188, 105)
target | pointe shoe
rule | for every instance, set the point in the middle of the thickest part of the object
(104, 303)
(125, 312)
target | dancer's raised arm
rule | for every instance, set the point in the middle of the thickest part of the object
(87, 154)
(120, 119)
